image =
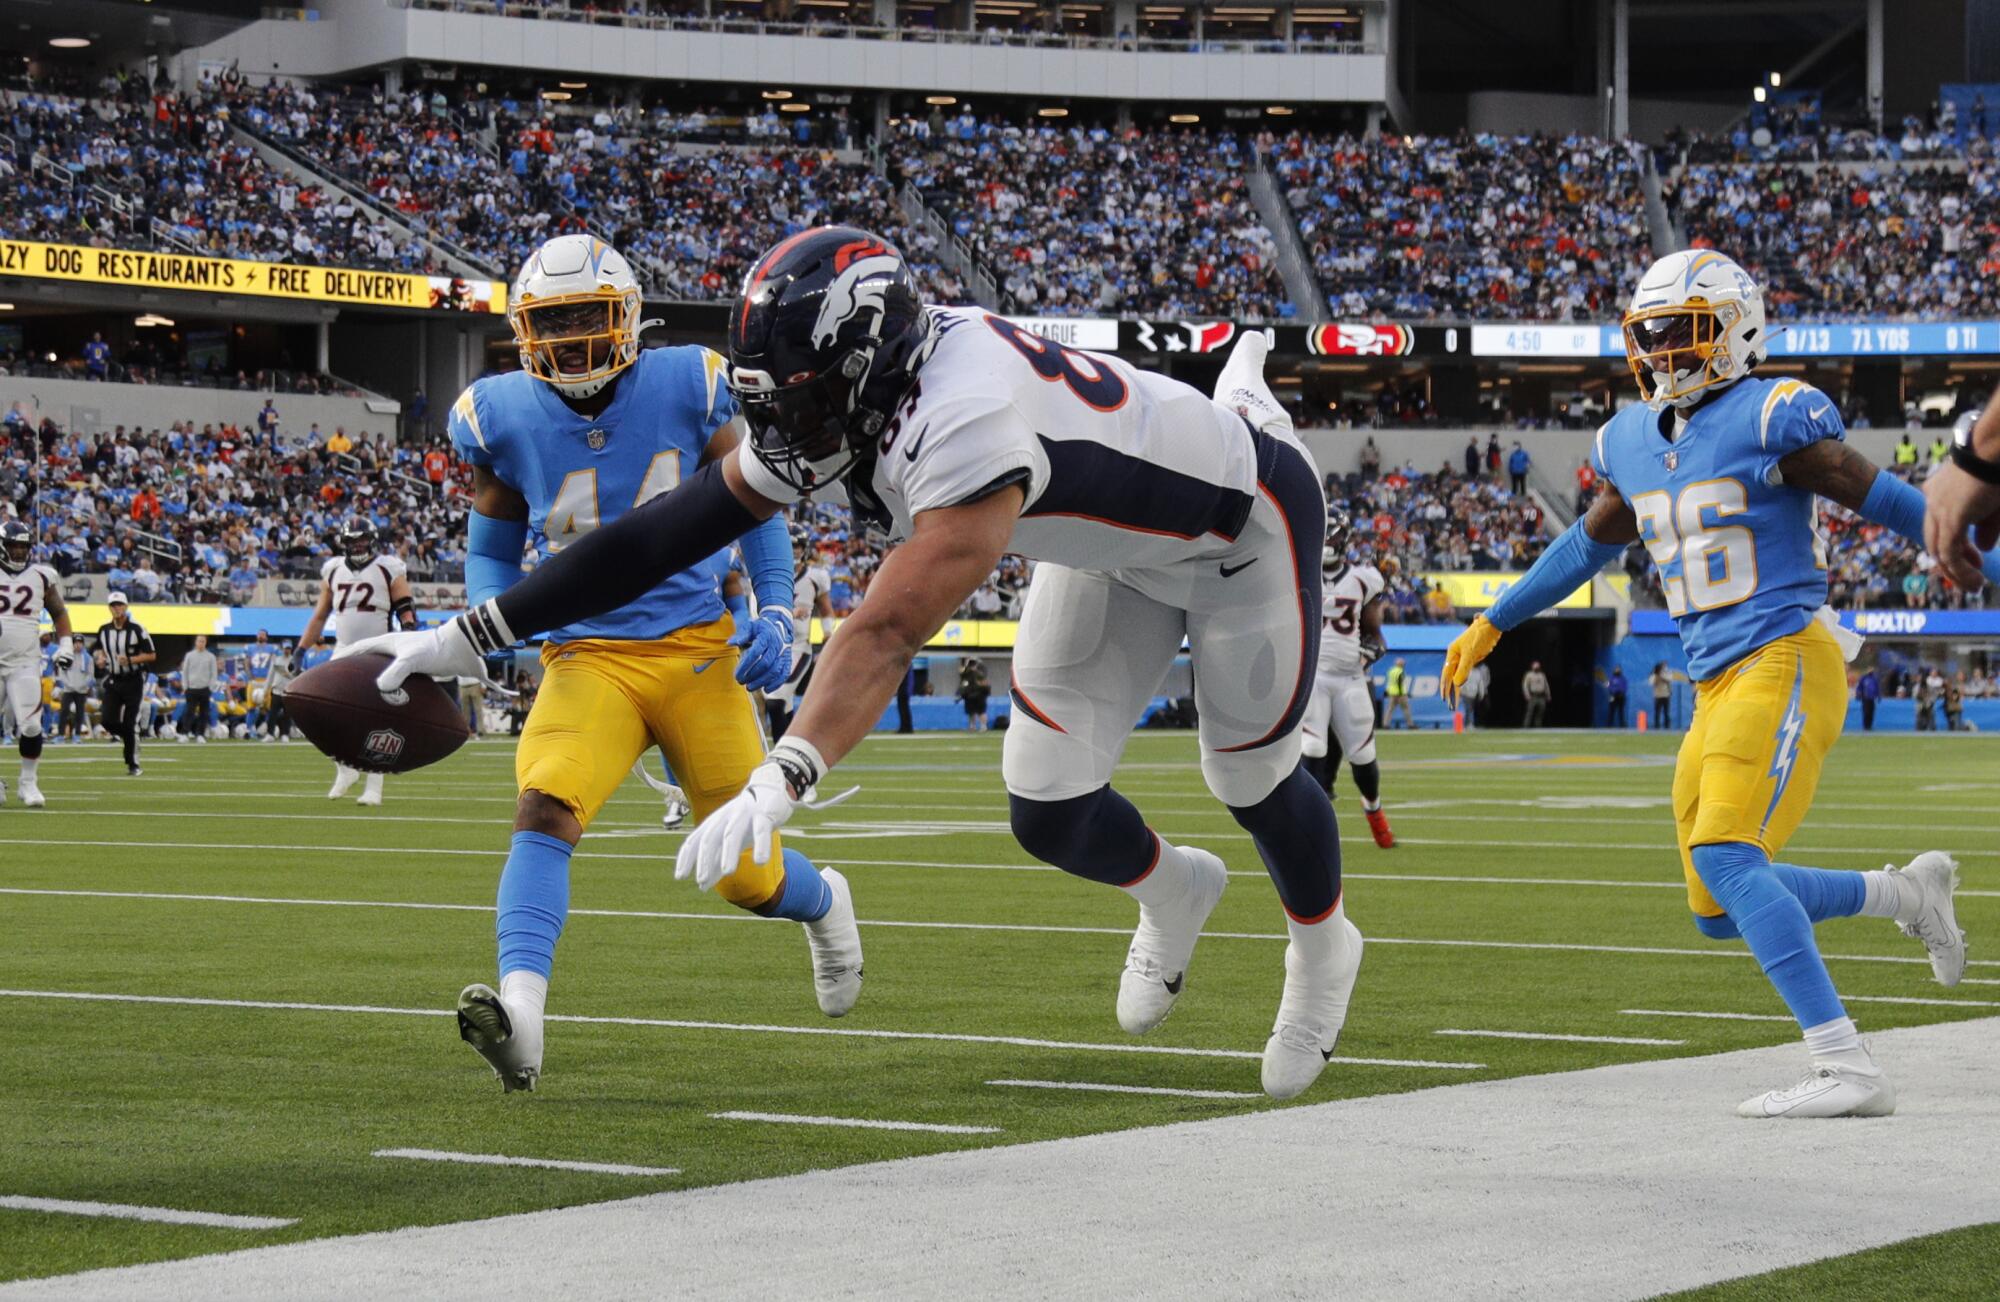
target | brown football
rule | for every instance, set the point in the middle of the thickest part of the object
(341, 711)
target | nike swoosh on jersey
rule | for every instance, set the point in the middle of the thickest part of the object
(1228, 570)
(1817, 412)
(704, 665)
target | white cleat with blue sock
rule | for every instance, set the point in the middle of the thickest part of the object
(1847, 1084)
(1934, 920)
(1156, 964)
(509, 1038)
(835, 938)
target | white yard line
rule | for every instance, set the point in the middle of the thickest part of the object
(1726, 1017)
(856, 1123)
(1389, 1206)
(1719, 951)
(130, 1212)
(1911, 999)
(1565, 1039)
(496, 1159)
(758, 1028)
(1090, 1088)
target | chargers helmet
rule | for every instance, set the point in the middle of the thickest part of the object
(1696, 323)
(357, 542)
(824, 344)
(17, 544)
(575, 312)
(1339, 527)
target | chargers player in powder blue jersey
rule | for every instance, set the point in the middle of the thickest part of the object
(1717, 474)
(589, 428)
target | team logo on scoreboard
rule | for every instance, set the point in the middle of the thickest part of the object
(1183, 336)
(1352, 340)
(383, 746)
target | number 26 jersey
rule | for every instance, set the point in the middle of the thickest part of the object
(1739, 553)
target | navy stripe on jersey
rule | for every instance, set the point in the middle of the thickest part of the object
(1088, 481)
(1288, 480)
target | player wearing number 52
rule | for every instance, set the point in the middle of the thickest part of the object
(1716, 473)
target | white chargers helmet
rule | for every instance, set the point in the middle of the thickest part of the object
(575, 312)
(1696, 323)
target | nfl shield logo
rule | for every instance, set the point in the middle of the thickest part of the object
(1673, 460)
(596, 439)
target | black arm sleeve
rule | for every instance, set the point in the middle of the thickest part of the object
(618, 563)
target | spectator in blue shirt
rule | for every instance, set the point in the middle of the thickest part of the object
(1869, 691)
(97, 358)
(1517, 469)
(1617, 687)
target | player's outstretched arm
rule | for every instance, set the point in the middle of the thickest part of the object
(1838, 473)
(1962, 515)
(1584, 548)
(949, 554)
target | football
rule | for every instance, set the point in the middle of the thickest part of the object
(341, 711)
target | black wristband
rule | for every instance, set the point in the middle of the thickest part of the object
(1973, 464)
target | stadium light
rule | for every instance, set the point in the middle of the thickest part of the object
(1758, 94)
(794, 106)
(1184, 119)
(1280, 111)
(6, 307)
(555, 96)
(941, 100)
(777, 94)
(1777, 80)
(574, 85)
(1052, 112)
(152, 319)
(69, 42)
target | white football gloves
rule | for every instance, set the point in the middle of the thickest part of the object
(441, 652)
(1241, 386)
(776, 787)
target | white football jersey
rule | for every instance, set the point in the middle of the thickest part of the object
(1122, 468)
(23, 597)
(1347, 594)
(361, 596)
(811, 583)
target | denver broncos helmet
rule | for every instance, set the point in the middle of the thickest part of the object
(17, 544)
(824, 343)
(1339, 528)
(357, 541)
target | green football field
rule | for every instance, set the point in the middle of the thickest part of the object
(221, 992)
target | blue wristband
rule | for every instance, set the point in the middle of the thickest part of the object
(1567, 564)
(767, 559)
(492, 556)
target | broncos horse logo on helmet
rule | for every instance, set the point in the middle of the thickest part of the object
(357, 542)
(17, 544)
(823, 346)
(1339, 527)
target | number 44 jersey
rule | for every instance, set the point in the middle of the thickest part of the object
(1739, 553)
(579, 472)
(1122, 469)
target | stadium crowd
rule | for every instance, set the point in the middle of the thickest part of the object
(1471, 226)
(1095, 220)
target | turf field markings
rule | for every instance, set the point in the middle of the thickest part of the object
(497, 1159)
(1050, 928)
(1088, 1087)
(1727, 1017)
(858, 1123)
(131, 1212)
(1912, 999)
(678, 1024)
(1566, 1039)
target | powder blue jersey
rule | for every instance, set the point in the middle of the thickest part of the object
(578, 473)
(1739, 552)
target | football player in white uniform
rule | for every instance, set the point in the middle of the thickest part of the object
(1158, 514)
(366, 591)
(811, 599)
(1340, 720)
(27, 588)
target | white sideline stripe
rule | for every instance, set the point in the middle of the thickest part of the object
(1912, 999)
(130, 1212)
(497, 1159)
(858, 1123)
(1126, 1089)
(1726, 1017)
(681, 1024)
(1447, 943)
(1566, 1039)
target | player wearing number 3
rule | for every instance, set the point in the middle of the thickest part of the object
(591, 427)
(1716, 473)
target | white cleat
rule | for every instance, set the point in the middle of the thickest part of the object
(31, 798)
(1309, 1018)
(485, 1024)
(344, 779)
(371, 795)
(836, 950)
(1828, 1089)
(1156, 964)
(1936, 921)
(677, 811)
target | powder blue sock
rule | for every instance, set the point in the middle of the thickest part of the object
(1823, 893)
(805, 896)
(1774, 924)
(533, 902)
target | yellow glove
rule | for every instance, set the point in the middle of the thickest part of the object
(1466, 650)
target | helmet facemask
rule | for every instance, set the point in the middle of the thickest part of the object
(577, 342)
(811, 431)
(17, 544)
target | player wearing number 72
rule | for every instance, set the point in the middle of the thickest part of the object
(1717, 473)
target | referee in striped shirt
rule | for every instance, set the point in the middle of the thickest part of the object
(124, 649)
